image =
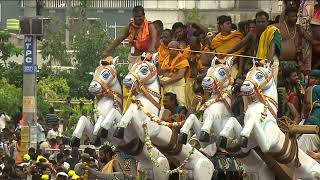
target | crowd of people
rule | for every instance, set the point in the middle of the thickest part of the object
(185, 54)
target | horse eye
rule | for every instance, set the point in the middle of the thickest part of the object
(144, 70)
(259, 76)
(222, 72)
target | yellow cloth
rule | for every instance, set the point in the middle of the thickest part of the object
(177, 88)
(189, 92)
(222, 44)
(265, 42)
(179, 62)
(109, 167)
(41, 157)
(186, 52)
(126, 101)
(163, 53)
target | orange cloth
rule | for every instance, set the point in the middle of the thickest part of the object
(139, 39)
(222, 43)
(163, 53)
(19, 155)
(179, 62)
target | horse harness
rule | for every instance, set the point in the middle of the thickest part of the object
(110, 93)
(147, 92)
(217, 88)
(258, 88)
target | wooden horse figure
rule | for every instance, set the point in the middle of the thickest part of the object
(217, 115)
(261, 128)
(106, 87)
(217, 110)
(145, 84)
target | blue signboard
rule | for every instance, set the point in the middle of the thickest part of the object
(29, 54)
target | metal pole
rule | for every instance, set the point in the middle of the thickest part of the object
(68, 5)
(29, 78)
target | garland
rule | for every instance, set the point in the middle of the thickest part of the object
(179, 168)
(149, 145)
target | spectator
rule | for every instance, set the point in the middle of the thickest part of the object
(176, 70)
(53, 133)
(108, 161)
(52, 118)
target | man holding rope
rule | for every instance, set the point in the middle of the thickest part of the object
(142, 37)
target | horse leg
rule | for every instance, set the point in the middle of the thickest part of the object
(112, 118)
(191, 122)
(96, 130)
(309, 169)
(125, 120)
(83, 125)
(246, 131)
(231, 128)
(206, 128)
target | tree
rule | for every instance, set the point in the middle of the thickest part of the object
(11, 98)
(7, 49)
(193, 15)
(54, 48)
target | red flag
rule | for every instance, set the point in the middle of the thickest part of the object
(23, 119)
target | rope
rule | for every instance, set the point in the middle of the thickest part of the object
(284, 124)
(209, 52)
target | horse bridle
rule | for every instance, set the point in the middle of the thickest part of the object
(218, 84)
(112, 94)
(258, 88)
(147, 92)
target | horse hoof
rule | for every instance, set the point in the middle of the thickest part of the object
(243, 142)
(103, 133)
(223, 142)
(75, 142)
(182, 139)
(204, 137)
(119, 133)
(97, 142)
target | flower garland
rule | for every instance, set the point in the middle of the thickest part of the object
(149, 145)
(179, 168)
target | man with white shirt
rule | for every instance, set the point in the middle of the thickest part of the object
(53, 133)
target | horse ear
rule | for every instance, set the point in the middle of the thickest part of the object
(253, 62)
(269, 67)
(154, 58)
(229, 61)
(213, 61)
(115, 60)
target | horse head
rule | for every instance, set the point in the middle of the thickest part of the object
(105, 76)
(141, 73)
(258, 80)
(218, 76)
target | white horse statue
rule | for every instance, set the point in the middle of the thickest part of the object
(145, 85)
(261, 127)
(217, 110)
(106, 87)
(217, 115)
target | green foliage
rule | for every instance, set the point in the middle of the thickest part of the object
(193, 15)
(54, 48)
(11, 98)
(13, 74)
(53, 88)
(7, 49)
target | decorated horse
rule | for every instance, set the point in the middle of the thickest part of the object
(106, 87)
(218, 117)
(143, 113)
(261, 128)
